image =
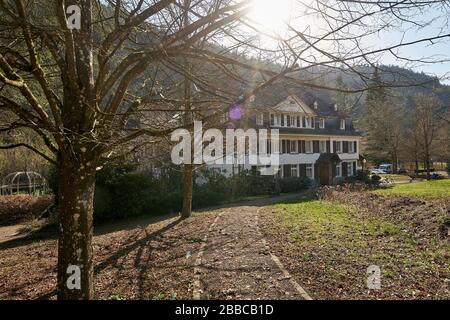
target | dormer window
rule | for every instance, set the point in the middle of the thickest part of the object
(275, 120)
(308, 122)
(293, 121)
(259, 119)
(342, 124)
(321, 123)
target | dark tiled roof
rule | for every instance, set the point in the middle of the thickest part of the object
(277, 92)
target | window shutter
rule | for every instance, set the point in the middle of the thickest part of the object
(299, 124)
(302, 170)
(303, 146)
(288, 146)
(334, 146)
(345, 147)
(282, 120)
(313, 122)
(316, 146)
(286, 170)
(354, 167)
(355, 146)
(288, 121)
(328, 146)
(299, 147)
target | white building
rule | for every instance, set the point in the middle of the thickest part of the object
(317, 140)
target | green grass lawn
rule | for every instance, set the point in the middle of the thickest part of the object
(331, 246)
(432, 188)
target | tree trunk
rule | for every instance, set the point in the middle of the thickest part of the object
(188, 182)
(76, 197)
(427, 165)
(394, 161)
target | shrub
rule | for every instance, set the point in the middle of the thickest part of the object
(361, 176)
(262, 185)
(293, 184)
(375, 180)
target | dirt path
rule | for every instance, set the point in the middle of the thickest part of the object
(216, 254)
(236, 263)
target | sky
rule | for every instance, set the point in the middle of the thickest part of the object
(433, 22)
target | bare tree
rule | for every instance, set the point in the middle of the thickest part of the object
(426, 124)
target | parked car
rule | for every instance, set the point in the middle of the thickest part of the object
(385, 167)
(376, 171)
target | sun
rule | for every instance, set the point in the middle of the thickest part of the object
(271, 16)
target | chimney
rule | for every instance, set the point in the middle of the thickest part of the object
(315, 105)
(335, 107)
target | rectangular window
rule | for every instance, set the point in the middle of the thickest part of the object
(338, 147)
(309, 171)
(350, 169)
(322, 146)
(308, 146)
(294, 145)
(294, 170)
(307, 122)
(299, 121)
(259, 119)
(288, 121)
(272, 119)
(338, 170)
(351, 148)
(313, 122)
(342, 124)
(293, 121)
(322, 123)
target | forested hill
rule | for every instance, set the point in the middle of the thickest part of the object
(404, 84)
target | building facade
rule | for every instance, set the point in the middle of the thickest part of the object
(317, 140)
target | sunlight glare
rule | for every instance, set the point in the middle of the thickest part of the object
(271, 16)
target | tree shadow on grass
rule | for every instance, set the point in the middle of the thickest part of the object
(51, 232)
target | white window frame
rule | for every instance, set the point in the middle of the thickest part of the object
(339, 170)
(322, 123)
(260, 119)
(294, 168)
(342, 125)
(310, 143)
(350, 169)
(276, 119)
(293, 120)
(351, 147)
(310, 168)
(293, 146)
(322, 143)
(338, 150)
(307, 122)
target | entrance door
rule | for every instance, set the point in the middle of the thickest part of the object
(324, 173)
